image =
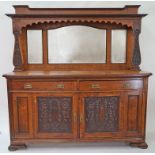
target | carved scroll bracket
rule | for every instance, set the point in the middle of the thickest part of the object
(136, 59)
(17, 57)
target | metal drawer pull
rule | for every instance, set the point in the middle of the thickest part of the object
(60, 86)
(126, 85)
(95, 86)
(28, 86)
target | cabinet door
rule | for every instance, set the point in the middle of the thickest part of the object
(135, 113)
(22, 115)
(101, 115)
(55, 115)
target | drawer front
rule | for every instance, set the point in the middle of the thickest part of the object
(110, 85)
(37, 86)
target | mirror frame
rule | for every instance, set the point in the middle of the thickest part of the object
(67, 66)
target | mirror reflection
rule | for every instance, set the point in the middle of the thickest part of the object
(34, 45)
(77, 44)
(118, 51)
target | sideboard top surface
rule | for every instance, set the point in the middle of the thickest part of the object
(77, 74)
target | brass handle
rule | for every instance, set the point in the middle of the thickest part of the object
(95, 86)
(126, 85)
(61, 86)
(28, 86)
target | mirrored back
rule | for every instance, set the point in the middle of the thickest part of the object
(76, 44)
(34, 46)
(118, 50)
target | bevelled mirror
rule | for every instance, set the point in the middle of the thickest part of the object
(34, 46)
(118, 50)
(76, 44)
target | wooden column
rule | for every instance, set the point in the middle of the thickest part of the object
(108, 46)
(45, 48)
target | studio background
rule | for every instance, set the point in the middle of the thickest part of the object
(147, 45)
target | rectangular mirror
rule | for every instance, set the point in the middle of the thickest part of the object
(34, 46)
(118, 50)
(77, 44)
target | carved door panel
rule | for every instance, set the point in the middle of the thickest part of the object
(21, 115)
(55, 115)
(135, 113)
(101, 115)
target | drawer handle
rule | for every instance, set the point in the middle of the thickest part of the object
(61, 86)
(28, 86)
(95, 86)
(126, 85)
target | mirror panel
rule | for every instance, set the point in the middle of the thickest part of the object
(118, 50)
(77, 44)
(34, 46)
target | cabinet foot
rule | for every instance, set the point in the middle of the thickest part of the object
(141, 145)
(14, 147)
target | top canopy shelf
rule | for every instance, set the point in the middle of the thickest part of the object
(131, 10)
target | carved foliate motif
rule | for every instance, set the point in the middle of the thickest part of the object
(55, 114)
(17, 58)
(102, 114)
(136, 59)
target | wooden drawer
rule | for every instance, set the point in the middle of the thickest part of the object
(43, 86)
(110, 85)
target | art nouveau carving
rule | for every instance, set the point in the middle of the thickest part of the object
(55, 114)
(17, 56)
(136, 59)
(102, 114)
